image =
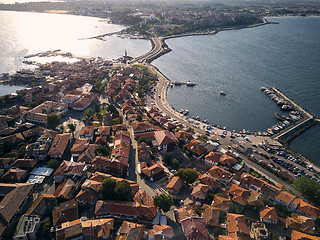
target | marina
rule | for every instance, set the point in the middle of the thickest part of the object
(290, 126)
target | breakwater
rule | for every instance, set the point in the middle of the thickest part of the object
(296, 128)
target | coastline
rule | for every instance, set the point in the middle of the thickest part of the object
(178, 115)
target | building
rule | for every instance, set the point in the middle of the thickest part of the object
(212, 158)
(301, 224)
(59, 145)
(194, 228)
(130, 231)
(65, 212)
(152, 171)
(161, 232)
(27, 228)
(269, 215)
(199, 192)
(166, 140)
(175, 185)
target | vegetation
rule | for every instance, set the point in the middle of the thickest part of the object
(53, 163)
(188, 175)
(72, 128)
(53, 120)
(103, 151)
(113, 190)
(198, 210)
(309, 188)
(163, 201)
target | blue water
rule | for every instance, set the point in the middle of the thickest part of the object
(239, 62)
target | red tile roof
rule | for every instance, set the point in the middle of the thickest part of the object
(200, 191)
(194, 228)
(175, 184)
(285, 197)
(165, 137)
(269, 214)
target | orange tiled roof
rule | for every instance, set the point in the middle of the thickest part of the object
(175, 184)
(200, 191)
(239, 194)
(269, 214)
(295, 235)
(237, 225)
(285, 197)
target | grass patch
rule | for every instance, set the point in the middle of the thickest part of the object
(142, 67)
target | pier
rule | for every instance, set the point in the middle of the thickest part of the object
(308, 120)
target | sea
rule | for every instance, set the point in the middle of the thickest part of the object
(26, 33)
(239, 62)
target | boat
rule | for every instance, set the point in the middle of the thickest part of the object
(185, 112)
(222, 93)
(262, 88)
(190, 84)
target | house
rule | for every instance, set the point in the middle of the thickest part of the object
(144, 153)
(284, 198)
(70, 98)
(15, 198)
(27, 227)
(161, 232)
(140, 127)
(212, 158)
(152, 171)
(87, 132)
(255, 200)
(130, 231)
(69, 170)
(80, 144)
(194, 228)
(27, 164)
(199, 192)
(196, 146)
(301, 224)
(102, 135)
(295, 235)
(86, 229)
(65, 212)
(14, 175)
(125, 209)
(59, 145)
(269, 215)
(269, 191)
(306, 209)
(184, 212)
(81, 104)
(166, 140)
(141, 197)
(219, 173)
(227, 161)
(175, 185)
(42, 205)
(237, 226)
(183, 136)
(43, 144)
(207, 179)
(210, 215)
(114, 165)
(222, 203)
(89, 193)
(239, 194)
(88, 154)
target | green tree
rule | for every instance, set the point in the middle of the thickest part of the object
(53, 120)
(107, 189)
(309, 188)
(198, 210)
(123, 191)
(53, 163)
(72, 128)
(188, 175)
(163, 201)
(139, 117)
(103, 151)
(22, 149)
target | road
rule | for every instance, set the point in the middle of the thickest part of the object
(156, 49)
(160, 100)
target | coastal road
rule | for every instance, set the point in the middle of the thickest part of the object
(156, 49)
(160, 98)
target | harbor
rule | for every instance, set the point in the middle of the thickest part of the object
(291, 126)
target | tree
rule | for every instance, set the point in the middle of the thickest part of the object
(53, 120)
(309, 188)
(113, 190)
(72, 128)
(53, 163)
(123, 191)
(139, 117)
(188, 175)
(163, 201)
(107, 189)
(103, 151)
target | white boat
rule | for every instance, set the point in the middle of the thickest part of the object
(222, 93)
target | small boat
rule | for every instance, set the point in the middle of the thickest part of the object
(262, 88)
(222, 93)
(190, 84)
